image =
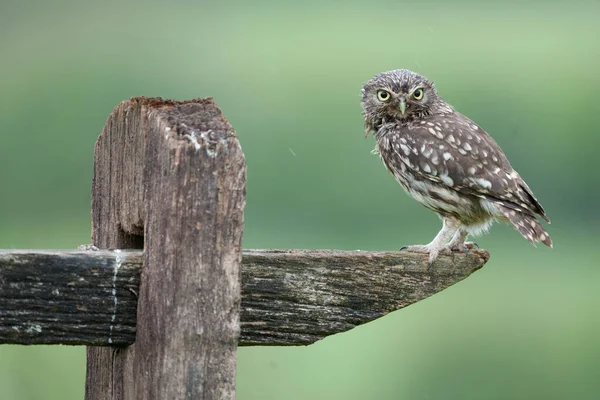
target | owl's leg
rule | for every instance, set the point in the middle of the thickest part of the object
(449, 229)
(459, 243)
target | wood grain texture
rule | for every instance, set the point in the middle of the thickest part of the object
(68, 297)
(294, 297)
(289, 297)
(170, 177)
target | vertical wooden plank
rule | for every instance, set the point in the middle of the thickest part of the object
(174, 171)
(117, 196)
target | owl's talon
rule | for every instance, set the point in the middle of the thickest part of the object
(459, 248)
(416, 248)
(423, 249)
(432, 256)
(463, 247)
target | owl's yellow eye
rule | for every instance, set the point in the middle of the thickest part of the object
(383, 95)
(418, 94)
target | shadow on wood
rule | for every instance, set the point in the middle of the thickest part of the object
(289, 297)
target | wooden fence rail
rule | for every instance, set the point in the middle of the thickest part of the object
(165, 323)
(289, 297)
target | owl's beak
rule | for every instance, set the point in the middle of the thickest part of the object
(402, 105)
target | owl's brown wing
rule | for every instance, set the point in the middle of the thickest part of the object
(453, 150)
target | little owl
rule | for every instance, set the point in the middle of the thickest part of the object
(446, 162)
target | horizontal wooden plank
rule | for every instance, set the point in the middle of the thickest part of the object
(289, 297)
(49, 297)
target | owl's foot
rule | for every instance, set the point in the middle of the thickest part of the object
(416, 248)
(423, 249)
(463, 247)
(459, 242)
(449, 233)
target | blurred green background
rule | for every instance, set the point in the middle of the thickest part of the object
(288, 76)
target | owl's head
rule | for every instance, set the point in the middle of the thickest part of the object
(399, 94)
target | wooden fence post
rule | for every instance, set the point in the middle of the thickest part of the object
(169, 177)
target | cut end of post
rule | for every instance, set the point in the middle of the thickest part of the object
(159, 102)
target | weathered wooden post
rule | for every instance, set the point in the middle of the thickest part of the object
(170, 177)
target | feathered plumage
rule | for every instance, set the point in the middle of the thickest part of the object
(446, 162)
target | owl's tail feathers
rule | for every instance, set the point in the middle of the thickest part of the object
(527, 226)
